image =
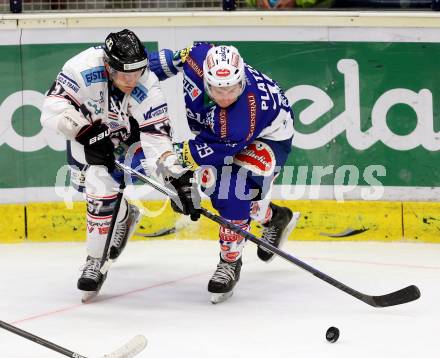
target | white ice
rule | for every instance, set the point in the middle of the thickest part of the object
(158, 289)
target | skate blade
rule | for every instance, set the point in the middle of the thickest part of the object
(220, 297)
(287, 231)
(89, 296)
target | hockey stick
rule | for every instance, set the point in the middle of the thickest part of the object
(180, 224)
(399, 297)
(106, 260)
(158, 233)
(128, 350)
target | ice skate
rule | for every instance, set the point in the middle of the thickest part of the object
(277, 230)
(91, 279)
(224, 279)
(123, 231)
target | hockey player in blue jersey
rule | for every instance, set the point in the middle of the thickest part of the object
(243, 126)
(106, 102)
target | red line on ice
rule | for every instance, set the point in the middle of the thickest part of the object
(68, 308)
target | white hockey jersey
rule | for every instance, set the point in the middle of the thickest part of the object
(84, 79)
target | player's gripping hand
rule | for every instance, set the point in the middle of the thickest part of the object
(188, 195)
(98, 147)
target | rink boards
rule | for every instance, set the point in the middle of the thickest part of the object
(369, 56)
(320, 221)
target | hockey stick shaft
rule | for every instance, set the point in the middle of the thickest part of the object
(282, 254)
(40, 340)
(128, 350)
(404, 295)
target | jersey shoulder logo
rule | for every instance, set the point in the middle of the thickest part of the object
(139, 93)
(191, 88)
(67, 81)
(94, 75)
(156, 112)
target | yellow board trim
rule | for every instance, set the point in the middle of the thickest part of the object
(12, 223)
(421, 222)
(369, 221)
(53, 222)
(374, 221)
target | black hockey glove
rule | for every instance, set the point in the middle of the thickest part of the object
(188, 195)
(98, 147)
(135, 134)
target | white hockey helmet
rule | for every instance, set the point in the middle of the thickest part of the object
(223, 67)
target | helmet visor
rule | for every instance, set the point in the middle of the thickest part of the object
(126, 81)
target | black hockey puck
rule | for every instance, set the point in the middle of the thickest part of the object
(332, 334)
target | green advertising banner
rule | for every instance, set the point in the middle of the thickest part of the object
(30, 155)
(370, 106)
(365, 111)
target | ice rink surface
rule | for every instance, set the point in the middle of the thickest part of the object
(158, 289)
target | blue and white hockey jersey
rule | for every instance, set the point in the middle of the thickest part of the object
(261, 111)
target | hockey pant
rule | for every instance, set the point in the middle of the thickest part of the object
(101, 191)
(242, 191)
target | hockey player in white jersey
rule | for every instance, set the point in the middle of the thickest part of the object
(106, 101)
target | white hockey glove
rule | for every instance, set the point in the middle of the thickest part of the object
(182, 180)
(168, 165)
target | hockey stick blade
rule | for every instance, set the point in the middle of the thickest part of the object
(405, 295)
(130, 349)
(158, 233)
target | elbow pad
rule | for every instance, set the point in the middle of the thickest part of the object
(70, 122)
